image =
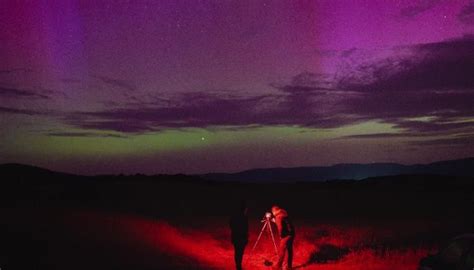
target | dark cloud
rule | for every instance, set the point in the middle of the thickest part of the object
(466, 15)
(6, 110)
(461, 141)
(307, 82)
(380, 136)
(14, 70)
(85, 134)
(434, 125)
(192, 110)
(442, 66)
(434, 81)
(7, 92)
(409, 134)
(117, 125)
(417, 8)
(126, 85)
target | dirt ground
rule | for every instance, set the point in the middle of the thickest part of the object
(178, 222)
(93, 239)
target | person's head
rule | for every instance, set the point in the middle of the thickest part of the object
(242, 207)
(275, 209)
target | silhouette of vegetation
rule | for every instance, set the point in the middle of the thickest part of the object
(328, 253)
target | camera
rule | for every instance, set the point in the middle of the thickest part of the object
(267, 217)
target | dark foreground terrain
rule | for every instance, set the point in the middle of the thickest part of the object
(51, 220)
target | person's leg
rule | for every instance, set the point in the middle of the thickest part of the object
(239, 254)
(290, 253)
(242, 251)
(281, 251)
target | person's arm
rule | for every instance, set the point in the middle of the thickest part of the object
(278, 222)
(232, 224)
(246, 229)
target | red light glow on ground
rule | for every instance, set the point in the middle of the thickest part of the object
(322, 246)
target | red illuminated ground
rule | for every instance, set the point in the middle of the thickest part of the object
(205, 245)
(175, 223)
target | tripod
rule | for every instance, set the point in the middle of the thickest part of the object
(266, 224)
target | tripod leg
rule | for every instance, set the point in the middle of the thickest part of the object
(273, 238)
(260, 235)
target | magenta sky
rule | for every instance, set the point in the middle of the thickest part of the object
(198, 86)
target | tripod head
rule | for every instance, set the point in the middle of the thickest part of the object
(267, 217)
(266, 220)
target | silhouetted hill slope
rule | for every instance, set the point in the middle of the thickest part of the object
(461, 167)
(26, 174)
(21, 171)
(180, 195)
(20, 183)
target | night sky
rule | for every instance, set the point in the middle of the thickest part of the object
(195, 86)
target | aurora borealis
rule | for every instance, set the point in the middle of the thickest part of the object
(95, 87)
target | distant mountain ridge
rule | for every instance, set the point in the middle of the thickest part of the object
(460, 167)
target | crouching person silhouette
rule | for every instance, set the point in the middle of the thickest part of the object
(287, 235)
(239, 233)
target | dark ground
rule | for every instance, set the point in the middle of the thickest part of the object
(59, 221)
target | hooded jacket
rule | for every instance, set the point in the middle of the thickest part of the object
(284, 224)
(239, 228)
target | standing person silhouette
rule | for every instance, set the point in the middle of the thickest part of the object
(239, 233)
(287, 235)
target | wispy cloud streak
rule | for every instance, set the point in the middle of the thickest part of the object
(8, 92)
(432, 80)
